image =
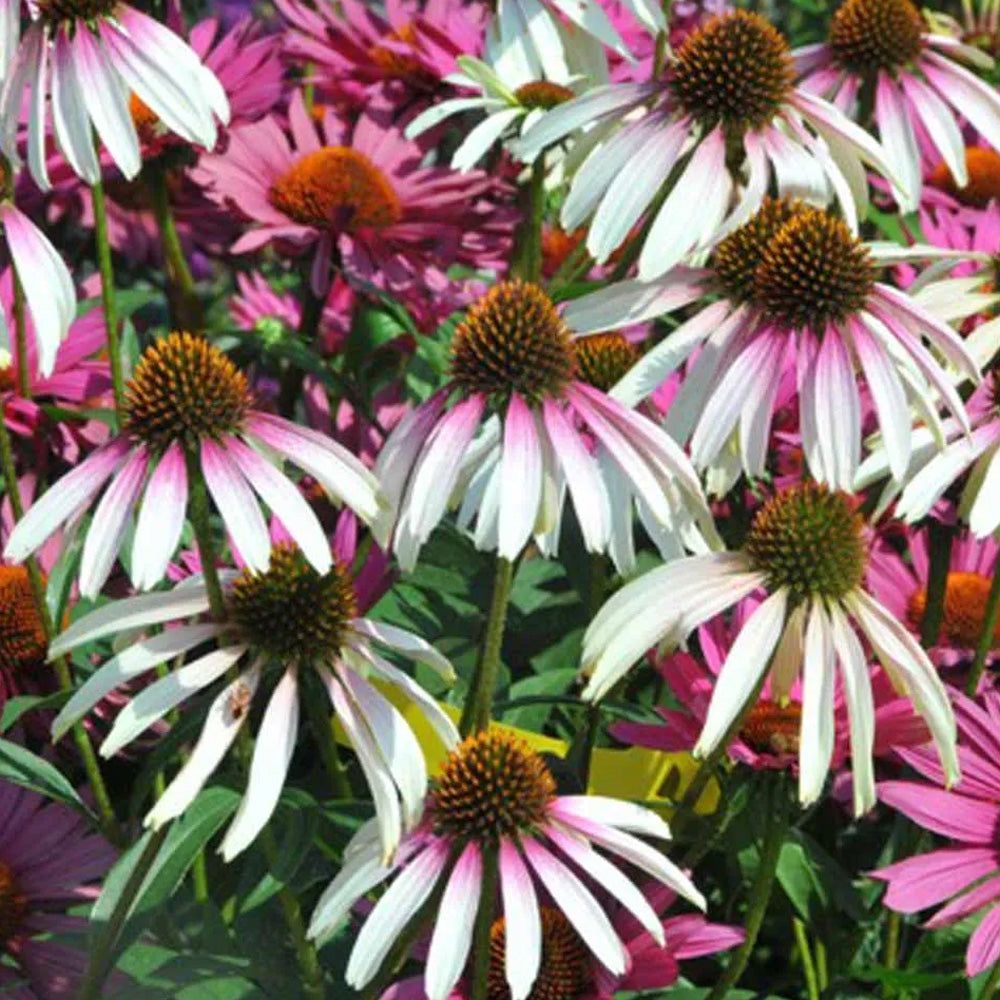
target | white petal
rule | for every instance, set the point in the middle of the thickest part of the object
(817, 729)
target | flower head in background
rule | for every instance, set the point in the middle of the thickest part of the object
(569, 970)
(798, 291)
(496, 795)
(48, 859)
(729, 93)
(401, 55)
(48, 287)
(884, 46)
(541, 430)
(282, 622)
(359, 193)
(806, 549)
(901, 586)
(964, 874)
(84, 62)
(514, 92)
(23, 641)
(189, 408)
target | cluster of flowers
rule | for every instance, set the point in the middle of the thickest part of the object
(576, 280)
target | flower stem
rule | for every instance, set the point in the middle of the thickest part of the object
(313, 987)
(760, 891)
(91, 767)
(941, 537)
(184, 307)
(200, 520)
(321, 722)
(21, 340)
(484, 922)
(986, 636)
(526, 258)
(478, 705)
(805, 952)
(107, 273)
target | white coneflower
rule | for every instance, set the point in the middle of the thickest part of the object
(882, 48)
(280, 623)
(727, 100)
(514, 380)
(87, 57)
(792, 289)
(189, 408)
(807, 551)
(496, 795)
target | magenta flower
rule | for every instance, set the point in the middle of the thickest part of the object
(765, 320)
(48, 859)
(515, 428)
(358, 194)
(88, 61)
(901, 586)
(918, 86)
(188, 406)
(403, 54)
(965, 873)
(495, 794)
(570, 972)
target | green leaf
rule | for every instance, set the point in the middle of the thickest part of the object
(814, 881)
(17, 707)
(24, 768)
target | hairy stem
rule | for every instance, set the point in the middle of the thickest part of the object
(941, 538)
(106, 270)
(986, 636)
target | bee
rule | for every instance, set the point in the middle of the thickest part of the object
(239, 701)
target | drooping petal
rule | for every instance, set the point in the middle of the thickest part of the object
(161, 518)
(456, 920)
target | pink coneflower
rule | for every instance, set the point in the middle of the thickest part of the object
(282, 624)
(794, 289)
(87, 60)
(359, 193)
(515, 378)
(883, 48)
(23, 641)
(48, 859)
(258, 308)
(806, 550)
(771, 734)
(568, 971)
(188, 408)
(403, 55)
(729, 88)
(48, 287)
(966, 871)
(496, 798)
(901, 586)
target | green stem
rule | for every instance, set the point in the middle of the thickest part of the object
(992, 983)
(91, 767)
(805, 952)
(305, 951)
(198, 511)
(479, 703)
(21, 340)
(760, 892)
(941, 537)
(986, 636)
(321, 722)
(199, 877)
(182, 298)
(293, 376)
(99, 965)
(893, 930)
(107, 273)
(526, 259)
(484, 922)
